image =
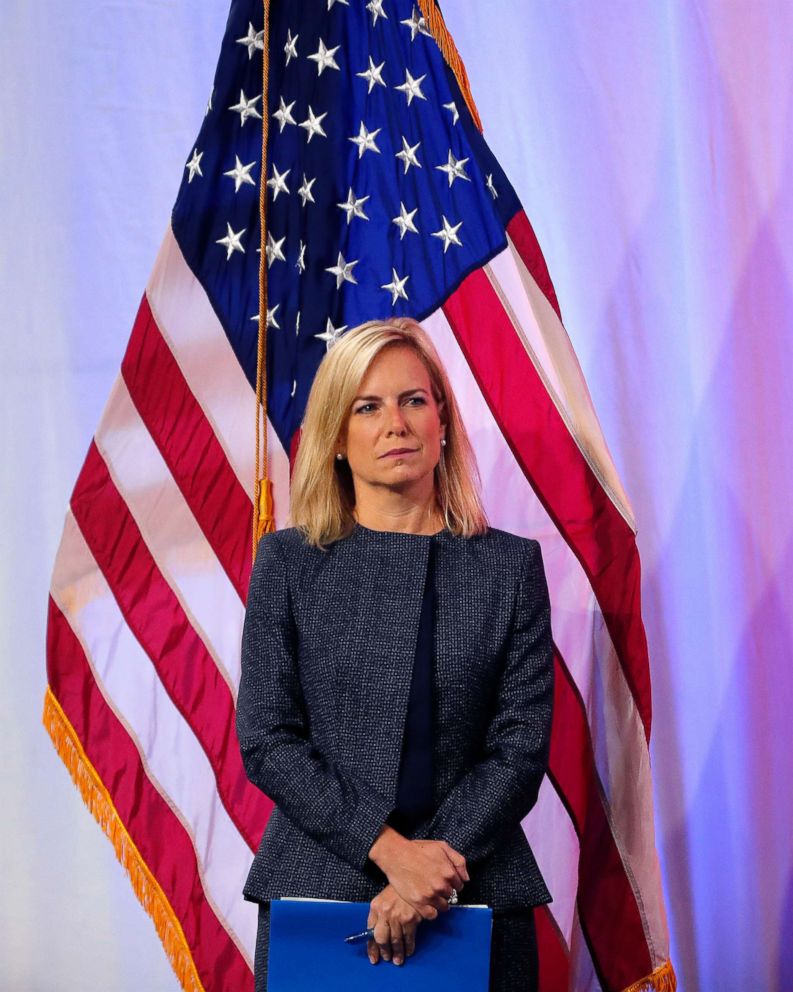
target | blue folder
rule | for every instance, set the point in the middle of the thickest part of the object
(308, 952)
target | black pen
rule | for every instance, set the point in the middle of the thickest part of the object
(356, 938)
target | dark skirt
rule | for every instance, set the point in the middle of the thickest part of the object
(513, 951)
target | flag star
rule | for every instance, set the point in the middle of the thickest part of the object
(241, 173)
(305, 190)
(408, 154)
(365, 140)
(194, 165)
(416, 23)
(376, 7)
(454, 111)
(247, 108)
(313, 124)
(454, 168)
(331, 3)
(284, 115)
(273, 250)
(353, 206)
(290, 48)
(297, 322)
(343, 271)
(277, 182)
(294, 388)
(373, 75)
(232, 241)
(396, 287)
(405, 220)
(300, 265)
(253, 39)
(491, 187)
(331, 334)
(412, 87)
(271, 321)
(209, 104)
(448, 234)
(324, 56)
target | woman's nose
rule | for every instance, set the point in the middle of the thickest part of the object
(396, 420)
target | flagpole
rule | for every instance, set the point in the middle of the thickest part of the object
(263, 518)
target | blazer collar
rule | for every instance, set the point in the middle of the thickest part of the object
(393, 538)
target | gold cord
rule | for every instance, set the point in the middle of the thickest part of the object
(263, 520)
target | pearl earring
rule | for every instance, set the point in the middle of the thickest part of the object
(339, 456)
(443, 442)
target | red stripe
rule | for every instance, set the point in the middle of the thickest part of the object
(607, 904)
(189, 447)
(161, 839)
(554, 958)
(557, 471)
(522, 235)
(154, 614)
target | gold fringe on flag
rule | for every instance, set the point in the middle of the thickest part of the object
(144, 884)
(439, 31)
(663, 979)
(263, 517)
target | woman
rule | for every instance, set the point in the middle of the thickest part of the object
(396, 690)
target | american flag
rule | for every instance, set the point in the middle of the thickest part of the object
(382, 199)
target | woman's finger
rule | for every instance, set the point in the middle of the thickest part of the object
(409, 937)
(382, 937)
(397, 943)
(373, 951)
(460, 876)
(458, 863)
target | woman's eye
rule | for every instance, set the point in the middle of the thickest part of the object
(365, 408)
(417, 399)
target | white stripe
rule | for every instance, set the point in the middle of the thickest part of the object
(549, 348)
(582, 971)
(199, 344)
(174, 760)
(183, 555)
(553, 840)
(579, 630)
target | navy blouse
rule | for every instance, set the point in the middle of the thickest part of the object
(414, 785)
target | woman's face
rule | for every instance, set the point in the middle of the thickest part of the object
(394, 428)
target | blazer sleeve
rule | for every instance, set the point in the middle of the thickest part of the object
(326, 801)
(498, 791)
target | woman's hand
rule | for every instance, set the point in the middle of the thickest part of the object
(394, 922)
(423, 872)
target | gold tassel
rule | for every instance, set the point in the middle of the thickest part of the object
(144, 884)
(663, 979)
(440, 33)
(266, 523)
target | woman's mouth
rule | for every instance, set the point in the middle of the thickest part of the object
(398, 452)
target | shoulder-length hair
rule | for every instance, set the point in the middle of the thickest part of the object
(322, 495)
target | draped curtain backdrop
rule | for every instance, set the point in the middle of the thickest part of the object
(652, 146)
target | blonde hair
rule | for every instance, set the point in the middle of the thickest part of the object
(322, 494)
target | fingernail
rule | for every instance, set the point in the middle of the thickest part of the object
(397, 960)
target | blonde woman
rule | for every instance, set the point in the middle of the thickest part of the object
(396, 690)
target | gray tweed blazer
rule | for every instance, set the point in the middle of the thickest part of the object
(327, 660)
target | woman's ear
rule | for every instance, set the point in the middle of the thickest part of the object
(442, 415)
